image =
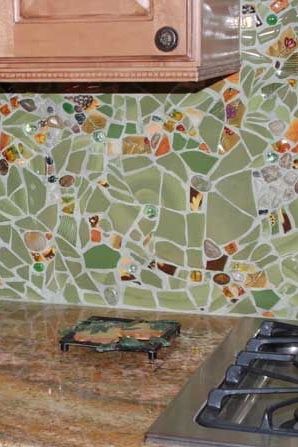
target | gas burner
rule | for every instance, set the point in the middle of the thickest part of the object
(247, 393)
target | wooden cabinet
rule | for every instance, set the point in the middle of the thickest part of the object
(118, 40)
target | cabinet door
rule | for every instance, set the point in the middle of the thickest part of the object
(96, 29)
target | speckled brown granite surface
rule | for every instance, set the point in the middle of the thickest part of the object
(82, 398)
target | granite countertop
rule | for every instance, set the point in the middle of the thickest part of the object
(82, 398)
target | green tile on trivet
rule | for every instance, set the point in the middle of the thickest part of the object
(32, 295)
(150, 278)
(98, 202)
(198, 161)
(175, 300)
(107, 110)
(173, 193)
(49, 272)
(148, 105)
(49, 216)
(19, 198)
(75, 162)
(84, 231)
(266, 261)
(2, 188)
(218, 110)
(131, 129)
(120, 196)
(200, 294)
(71, 294)
(173, 163)
(23, 272)
(17, 285)
(131, 108)
(146, 226)
(29, 223)
(5, 273)
(75, 268)
(171, 226)
(101, 257)
(37, 280)
(177, 283)
(95, 163)
(233, 223)
(59, 263)
(253, 235)
(106, 278)
(138, 250)
(218, 300)
(9, 294)
(123, 216)
(245, 252)
(274, 274)
(3, 218)
(265, 299)
(135, 235)
(21, 117)
(293, 207)
(94, 299)
(137, 297)
(116, 182)
(169, 252)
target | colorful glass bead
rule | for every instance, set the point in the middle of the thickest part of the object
(99, 136)
(132, 269)
(39, 267)
(111, 296)
(151, 211)
(271, 157)
(52, 179)
(68, 108)
(30, 129)
(272, 19)
(3, 167)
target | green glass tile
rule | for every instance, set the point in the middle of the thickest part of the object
(169, 252)
(193, 99)
(123, 197)
(286, 245)
(5, 233)
(36, 192)
(290, 268)
(19, 198)
(49, 273)
(106, 278)
(151, 279)
(17, 285)
(95, 163)
(8, 258)
(148, 105)
(200, 294)
(29, 223)
(2, 188)
(18, 247)
(75, 268)
(233, 223)
(261, 130)
(98, 203)
(5, 273)
(139, 298)
(255, 144)
(106, 98)
(253, 235)
(37, 281)
(84, 282)
(7, 207)
(266, 261)
(269, 105)
(68, 229)
(94, 299)
(244, 307)
(79, 142)
(265, 299)
(60, 154)
(210, 130)
(179, 141)
(175, 300)
(274, 274)
(192, 144)
(9, 294)
(173, 193)
(131, 129)
(71, 294)
(84, 233)
(199, 161)
(194, 259)
(23, 272)
(175, 231)
(20, 118)
(146, 226)
(14, 180)
(137, 249)
(101, 257)
(245, 253)
(237, 186)
(49, 216)
(115, 131)
(293, 207)
(20, 135)
(218, 301)
(131, 109)
(195, 229)
(75, 162)
(173, 163)
(106, 110)
(66, 249)
(248, 38)
(260, 252)
(136, 235)
(32, 295)
(177, 283)
(287, 289)
(84, 199)
(136, 163)
(123, 216)
(145, 187)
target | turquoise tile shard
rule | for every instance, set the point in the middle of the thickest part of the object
(179, 201)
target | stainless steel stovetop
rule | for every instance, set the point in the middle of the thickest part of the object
(267, 365)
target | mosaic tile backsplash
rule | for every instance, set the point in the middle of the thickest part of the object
(183, 202)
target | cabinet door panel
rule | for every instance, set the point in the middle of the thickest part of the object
(90, 28)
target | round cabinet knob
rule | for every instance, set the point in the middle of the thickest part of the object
(166, 39)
